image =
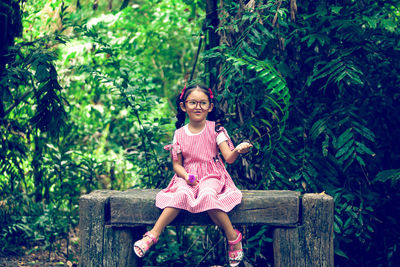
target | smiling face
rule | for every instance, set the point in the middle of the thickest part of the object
(197, 106)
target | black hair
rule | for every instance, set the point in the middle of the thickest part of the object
(216, 114)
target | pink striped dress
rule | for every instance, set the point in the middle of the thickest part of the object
(215, 189)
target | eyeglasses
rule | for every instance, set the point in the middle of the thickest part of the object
(192, 104)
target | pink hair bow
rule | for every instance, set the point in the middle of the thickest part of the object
(183, 91)
(211, 94)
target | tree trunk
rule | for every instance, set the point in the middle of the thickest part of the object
(212, 41)
(37, 170)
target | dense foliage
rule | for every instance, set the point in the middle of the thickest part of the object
(87, 102)
(83, 108)
(340, 62)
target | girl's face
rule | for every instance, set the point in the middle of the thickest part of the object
(197, 106)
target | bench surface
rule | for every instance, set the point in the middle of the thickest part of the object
(274, 207)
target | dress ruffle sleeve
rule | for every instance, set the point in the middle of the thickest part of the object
(175, 149)
(230, 143)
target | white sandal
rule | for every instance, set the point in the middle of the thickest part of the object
(142, 246)
(235, 256)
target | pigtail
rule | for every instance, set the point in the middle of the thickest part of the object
(217, 115)
(180, 116)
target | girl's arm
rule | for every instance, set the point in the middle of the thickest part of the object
(180, 170)
(231, 155)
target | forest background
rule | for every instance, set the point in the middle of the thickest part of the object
(87, 101)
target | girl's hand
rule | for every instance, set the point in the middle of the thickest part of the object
(243, 147)
(191, 179)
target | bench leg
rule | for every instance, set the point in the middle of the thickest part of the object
(101, 245)
(92, 227)
(118, 246)
(310, 244)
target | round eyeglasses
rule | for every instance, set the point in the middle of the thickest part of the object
(192, 104)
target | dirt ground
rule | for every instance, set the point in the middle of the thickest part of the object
(38, 256)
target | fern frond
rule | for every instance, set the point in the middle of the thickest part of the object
(392, 175)
(275, 84)
(341, 71)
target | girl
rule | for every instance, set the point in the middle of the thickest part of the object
(201, 182)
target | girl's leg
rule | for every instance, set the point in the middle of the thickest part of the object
(221, 219)
(207, 192)
(208, 189)
(166, 217)
(235, 248)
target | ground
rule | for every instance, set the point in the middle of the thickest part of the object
(38, 256)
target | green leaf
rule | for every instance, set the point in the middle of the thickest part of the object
(344, 138)
(390, 25)
(364, 131)
(336, 9)
(372, 22)
(360, 160)
(363, 149)
(325, 145)
(42, 74)
(249, 50)
(267, 75)
(336, 228)
(386, 175)
(267, 123)
(347, 223)
(317, 128)
(256, 130)
(340, 253)
(345, 149)
(338, 220)
(349, 162)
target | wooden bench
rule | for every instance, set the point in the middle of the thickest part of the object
(111, 221)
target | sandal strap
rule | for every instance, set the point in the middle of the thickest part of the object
(152, 237)
(237, 240)
(235, 256)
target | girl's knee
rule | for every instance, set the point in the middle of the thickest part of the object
(212, 212)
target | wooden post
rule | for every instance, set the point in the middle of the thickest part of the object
(103, 245)
(310, 244)
(92, 227)
(118, 246)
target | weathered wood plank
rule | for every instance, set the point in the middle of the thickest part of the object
(136, 207)
(118, 246)
(310, 244)
(289, 247)
(91, 227)
(318, 212)
(101, 245)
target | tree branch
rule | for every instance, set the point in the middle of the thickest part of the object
(16, 102)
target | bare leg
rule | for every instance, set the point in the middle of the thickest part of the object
(221, 219)
(166, 217)
(213, 218)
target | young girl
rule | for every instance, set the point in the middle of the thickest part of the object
(201, 182)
